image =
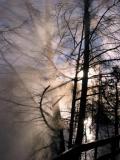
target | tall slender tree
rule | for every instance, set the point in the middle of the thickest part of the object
(85, 44)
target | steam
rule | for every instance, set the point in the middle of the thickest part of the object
(25, 72)
(30, 64)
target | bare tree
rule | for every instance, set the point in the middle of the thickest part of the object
(86, 46)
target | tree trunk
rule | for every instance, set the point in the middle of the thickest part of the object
(83, 100)
(72, 113)
(98, 114)
(116, 111)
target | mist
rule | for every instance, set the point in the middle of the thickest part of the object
(25, 50)
(41, 76)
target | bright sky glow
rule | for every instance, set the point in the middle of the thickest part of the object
(89, 132)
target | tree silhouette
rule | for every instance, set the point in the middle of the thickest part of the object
(88, 41)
